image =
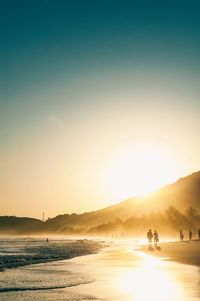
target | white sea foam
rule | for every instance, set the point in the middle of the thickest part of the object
(15, 252)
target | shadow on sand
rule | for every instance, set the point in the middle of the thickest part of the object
(158, 248)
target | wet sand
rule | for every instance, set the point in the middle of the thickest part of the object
(187, 252)
(124, 273)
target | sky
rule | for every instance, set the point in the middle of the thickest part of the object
(99, 102)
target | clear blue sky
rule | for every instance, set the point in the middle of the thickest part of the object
(83, 80)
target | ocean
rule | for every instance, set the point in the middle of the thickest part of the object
(80, 269)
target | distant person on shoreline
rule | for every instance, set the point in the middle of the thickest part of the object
(149, 237)
(181, 235)
(155, 238)
(199, 233)
(190, 235)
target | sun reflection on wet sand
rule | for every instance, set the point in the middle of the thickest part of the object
(122, 273)
(149, 281)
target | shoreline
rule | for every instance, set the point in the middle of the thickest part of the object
(43, 252)
(186, 252)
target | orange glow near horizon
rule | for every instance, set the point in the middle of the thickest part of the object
(140, 170)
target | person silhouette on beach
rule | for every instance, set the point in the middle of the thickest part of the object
(190, 235)
(181, 235)
(155, 238)
(149, 237)
(199, 233)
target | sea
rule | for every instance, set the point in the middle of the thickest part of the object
(68, 268)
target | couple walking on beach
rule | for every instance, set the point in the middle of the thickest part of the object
(153, 236)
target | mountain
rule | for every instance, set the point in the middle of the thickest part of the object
(19, 225)
(182, 194)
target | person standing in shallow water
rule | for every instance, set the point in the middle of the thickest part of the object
(155, 238)
(190, 235)
(149, 237)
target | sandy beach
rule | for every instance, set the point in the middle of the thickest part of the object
(186, 252)
(120, 271)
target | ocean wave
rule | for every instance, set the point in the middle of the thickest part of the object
(41, 252)
(20, 289)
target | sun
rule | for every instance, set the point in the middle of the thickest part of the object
(139, 170)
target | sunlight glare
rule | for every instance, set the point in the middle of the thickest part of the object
(139, 171)
(149, 283)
